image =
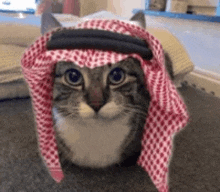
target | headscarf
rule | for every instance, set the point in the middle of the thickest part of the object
(167, 112)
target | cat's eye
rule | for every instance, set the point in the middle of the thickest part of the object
(73, 77)
(116, 76)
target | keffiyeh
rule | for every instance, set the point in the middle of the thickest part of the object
(167, 112)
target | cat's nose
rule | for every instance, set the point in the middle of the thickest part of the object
(96, 106)
(96, 96)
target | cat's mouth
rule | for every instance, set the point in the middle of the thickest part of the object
(108, 112)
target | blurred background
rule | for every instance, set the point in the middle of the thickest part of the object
(195, 23)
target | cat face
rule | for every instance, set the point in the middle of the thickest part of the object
(105, 106)
(104, 92)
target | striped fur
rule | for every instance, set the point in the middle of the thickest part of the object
(111, 136)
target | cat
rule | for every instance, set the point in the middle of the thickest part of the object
(99, 113)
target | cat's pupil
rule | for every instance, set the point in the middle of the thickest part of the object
(73, 76)
(116, 76)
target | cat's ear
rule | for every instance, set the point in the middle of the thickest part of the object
(48, 22)
(139, 18)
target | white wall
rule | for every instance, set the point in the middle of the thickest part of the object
(124, 7)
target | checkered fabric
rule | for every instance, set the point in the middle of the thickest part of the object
(167, 112)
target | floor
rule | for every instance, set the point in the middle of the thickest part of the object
(194, 165)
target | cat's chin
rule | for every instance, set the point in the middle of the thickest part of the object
(102, 163)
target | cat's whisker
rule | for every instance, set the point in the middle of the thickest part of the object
(67, 106)
(133, 109)
(136, 107)
(142, 115)
(72, 115)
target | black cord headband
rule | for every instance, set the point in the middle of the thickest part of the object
(98, 39)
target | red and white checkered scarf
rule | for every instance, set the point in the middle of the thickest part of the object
(167, 112)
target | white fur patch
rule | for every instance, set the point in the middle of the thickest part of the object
(94, 141)
(110, 110)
